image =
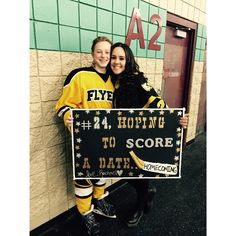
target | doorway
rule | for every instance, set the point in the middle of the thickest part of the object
(178, 60)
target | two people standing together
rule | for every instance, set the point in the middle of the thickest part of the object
(114, 71)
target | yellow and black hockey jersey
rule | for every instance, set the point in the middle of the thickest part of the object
(85, 88)
(133, 91)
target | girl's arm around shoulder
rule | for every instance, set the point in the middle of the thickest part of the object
(153, 100)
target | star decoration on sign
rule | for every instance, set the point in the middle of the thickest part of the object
(176, 158)
(80, 174)
(131, 111)
(179, 134)
(87, 111)
(157, 176)
(77, 115)
(140, 176)
(178, 142)
(161, 112)
(131, 173)
(141, 113)
(76, 131)
(179, 129)
(108, 111)
(151, 111)
(78, 140)
(98, 113)
(77, 147)
(119, 113)
(77, 164)
(177, 149)
(179, 113)
(171, 111)
(78, 155)
(77, 123)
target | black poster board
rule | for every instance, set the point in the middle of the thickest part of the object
(126, 143)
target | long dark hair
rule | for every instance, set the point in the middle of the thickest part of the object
(131, 66)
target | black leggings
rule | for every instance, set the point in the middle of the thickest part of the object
(141, 186)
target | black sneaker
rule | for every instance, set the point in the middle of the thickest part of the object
(92, 226)
(134, 219)
(101, 207)
(149, 200)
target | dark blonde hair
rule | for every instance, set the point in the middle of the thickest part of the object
(99, 39)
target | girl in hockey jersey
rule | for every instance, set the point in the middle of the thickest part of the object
(78, 92)
(133, 91)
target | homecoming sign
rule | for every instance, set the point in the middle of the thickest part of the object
(125, 143)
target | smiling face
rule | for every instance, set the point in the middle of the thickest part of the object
(118, 60)
(101, 56)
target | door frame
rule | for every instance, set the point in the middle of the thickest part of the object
(177, 21)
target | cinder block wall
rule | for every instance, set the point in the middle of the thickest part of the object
(60, 41)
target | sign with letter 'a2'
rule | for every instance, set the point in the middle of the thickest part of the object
(126, 143)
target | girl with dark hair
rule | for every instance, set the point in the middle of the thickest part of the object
(133, 91)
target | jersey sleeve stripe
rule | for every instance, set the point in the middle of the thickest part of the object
(150, 100)
(63, 110)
